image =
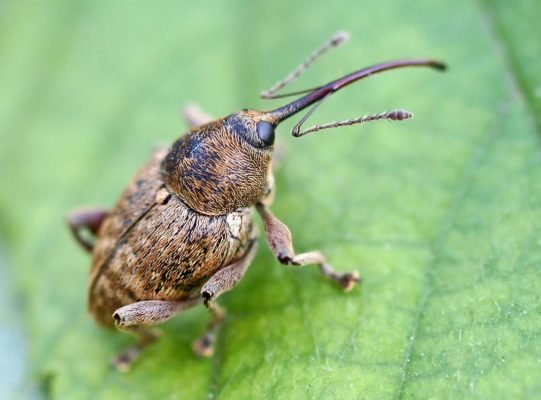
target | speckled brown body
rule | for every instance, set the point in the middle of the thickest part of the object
(182, 233)
(154, 246)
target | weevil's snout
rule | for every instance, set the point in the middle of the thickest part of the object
(254, 127)
(317, 95)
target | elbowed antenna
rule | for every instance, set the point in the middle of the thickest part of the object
(395, 115)
(318, 94)
(336, 40)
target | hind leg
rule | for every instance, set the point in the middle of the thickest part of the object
(88, 218)
(194, 116)
(135, 319)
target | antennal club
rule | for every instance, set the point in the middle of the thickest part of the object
(395, 115)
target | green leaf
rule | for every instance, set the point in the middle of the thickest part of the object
(440, 215)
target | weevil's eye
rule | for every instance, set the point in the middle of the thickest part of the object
(265, 131)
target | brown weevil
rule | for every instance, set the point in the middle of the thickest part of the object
(182, 232)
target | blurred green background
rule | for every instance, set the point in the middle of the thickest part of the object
(440, 215)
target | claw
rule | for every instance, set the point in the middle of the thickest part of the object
(207, 297)
(204, 346)
(123, 361)
(284, 259)
(348, 280)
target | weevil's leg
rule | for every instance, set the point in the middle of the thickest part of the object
(135, 319)
(194, 116)
(150, 312)
(145, 336)
(280, 242)
(278, 156)
(228, 277)
(221, 282)
(270, 191)
(89, 218)
(204, 346)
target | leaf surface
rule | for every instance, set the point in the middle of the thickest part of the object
(440, 215)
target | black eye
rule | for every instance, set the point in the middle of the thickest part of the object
(265, 131)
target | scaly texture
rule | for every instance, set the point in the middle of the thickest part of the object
(158, 249)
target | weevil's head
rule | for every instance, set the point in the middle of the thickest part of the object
(224, 165)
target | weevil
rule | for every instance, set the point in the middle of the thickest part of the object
(182, 232)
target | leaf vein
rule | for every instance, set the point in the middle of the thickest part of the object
(505, 49)
(472, 166)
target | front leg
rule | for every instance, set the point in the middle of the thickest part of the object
(281, 244)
